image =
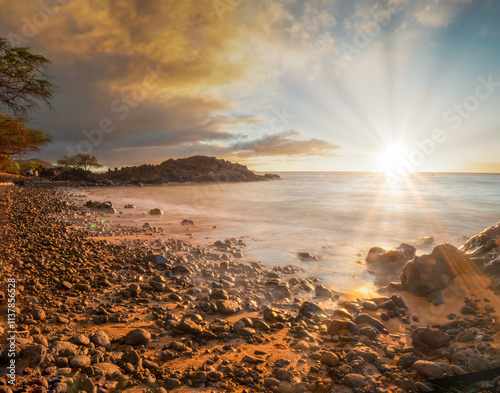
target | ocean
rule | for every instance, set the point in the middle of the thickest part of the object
(335, 216)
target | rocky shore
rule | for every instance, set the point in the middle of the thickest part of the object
(103, 308)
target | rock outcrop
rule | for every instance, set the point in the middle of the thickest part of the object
(483, 249)
(193, 169)
(429, 273)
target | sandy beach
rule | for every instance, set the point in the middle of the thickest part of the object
(111, 308)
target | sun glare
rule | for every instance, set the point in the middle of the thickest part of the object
(391, 158)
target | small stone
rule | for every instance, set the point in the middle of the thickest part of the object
(329, 359)
(38, 313)
(355, 380)
(228, 307)
(307, 256)
(35, 353)
(430, 369)
(465, 337)
(138, 337)
(323, 292)
(407, 359)
(107, 369)
(100, 339)
(369, 305)
(171, 384)
(428, 339)
(66, 285)
(79, 361)
(468, 310)
(477, 363)
(270, 382)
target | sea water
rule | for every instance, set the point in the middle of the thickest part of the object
(336, 216)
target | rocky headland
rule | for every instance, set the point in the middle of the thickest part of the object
(106, 308)
(196, 169)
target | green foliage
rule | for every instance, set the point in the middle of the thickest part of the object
(85, 161)
(7, 165)
(23, 79)
(26, 166)
(16, 139)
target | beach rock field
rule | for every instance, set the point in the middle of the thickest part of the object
(129, 309)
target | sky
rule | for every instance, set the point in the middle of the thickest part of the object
(288, 85)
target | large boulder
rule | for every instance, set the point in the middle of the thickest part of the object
(432, 272)
(484, 250)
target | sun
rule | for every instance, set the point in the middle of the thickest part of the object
(391, 158)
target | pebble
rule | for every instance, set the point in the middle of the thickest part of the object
(430, 369)
(138, 337)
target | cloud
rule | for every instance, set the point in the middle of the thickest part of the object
(482, 167)
(436, 15)
(102, 50)
(286, 143)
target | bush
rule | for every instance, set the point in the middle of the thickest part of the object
(7, 165)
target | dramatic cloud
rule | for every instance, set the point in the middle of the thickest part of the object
(153, 71)
(284, 143)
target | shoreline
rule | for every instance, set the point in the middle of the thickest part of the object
(253, 319)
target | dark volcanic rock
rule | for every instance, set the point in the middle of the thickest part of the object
(427, 339)
(397, 255)
(192, 169)
(338, 325)
(228, 307)
(138, 337)
(309, 309)
(483, 249)
(434, 271)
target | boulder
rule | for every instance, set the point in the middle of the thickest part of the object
(323, 292)
(397, 255)
(432, 272)
(35, 353)
(483, 249)
(338, 325)
(109, 370)
(228, 307)
(138, 337)
(156, 212)
(100, 339)
(307, 256)
(309, 309)
(430, 369)
(329, 359)
(427, 339)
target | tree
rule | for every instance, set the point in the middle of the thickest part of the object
(8, 166)
(26, 166)
(16, 139)
(85, 161)
(23, 79)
